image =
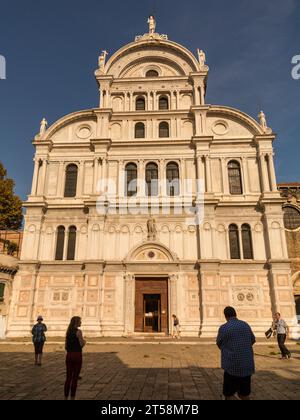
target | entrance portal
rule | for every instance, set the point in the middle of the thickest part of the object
(151, 305)
(152, 313)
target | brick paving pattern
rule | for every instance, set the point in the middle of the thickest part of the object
(147, 372)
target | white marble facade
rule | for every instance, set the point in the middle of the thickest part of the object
(113, 247)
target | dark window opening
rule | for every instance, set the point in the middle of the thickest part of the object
(131, 180)
(71, 243)
(247, 242)
(234, 242)
(71, 181)
(164, 130)
(140, 131)
(60, 244)
(235, 178)
(152, 179)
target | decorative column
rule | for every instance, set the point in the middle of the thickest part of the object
(264, 172)
(162, 178)
(95, 175)
(177, 99)
(246, 174)
(121, 179)
(81, 179)
(131, 107)
(61, 180)
(272, 172)
(225, 176)
(141, 179)
(200, 170)
(35, 176)
(154, 108)
(182, 177)
(208, 174)
(44, 174)
(149, 101)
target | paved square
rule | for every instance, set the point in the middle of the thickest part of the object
(153, 371)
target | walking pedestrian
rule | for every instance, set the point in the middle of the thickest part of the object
(38, 339)
(235, 340)
(282, 331)
(74, 346)
(176, 327)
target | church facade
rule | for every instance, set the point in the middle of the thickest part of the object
(152, 204)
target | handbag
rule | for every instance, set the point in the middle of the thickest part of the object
(269, 333)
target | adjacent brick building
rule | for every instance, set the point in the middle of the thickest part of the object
(291, 192)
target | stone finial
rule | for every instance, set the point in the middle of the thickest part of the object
(152, 24)
(102, 60)
(44, 124)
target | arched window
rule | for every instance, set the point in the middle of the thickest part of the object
(152, 73)
(235, 178)
(130, 179)
(247, 242)
(2, 288)
(71, 243)
(173, 188)
(60, 243)
(234, 241)
(152, 179)
(291, 218)
(163, 103)
(140, 130)
(71, 181)
(140, 104)
(164, 131)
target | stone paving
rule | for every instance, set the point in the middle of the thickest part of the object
(142, 371)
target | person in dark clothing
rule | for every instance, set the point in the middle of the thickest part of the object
(74, 346)
(38, 339)
(236, 340)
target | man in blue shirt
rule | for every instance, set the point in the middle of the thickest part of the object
(236, 340)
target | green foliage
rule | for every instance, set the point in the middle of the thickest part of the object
(10, 205)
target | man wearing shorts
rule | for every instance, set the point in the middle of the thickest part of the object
(236, 340)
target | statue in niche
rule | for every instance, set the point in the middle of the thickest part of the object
(152, 230)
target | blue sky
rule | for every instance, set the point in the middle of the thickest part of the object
(52, 48)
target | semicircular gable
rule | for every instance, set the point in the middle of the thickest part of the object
(78, 125)
(168, 53)
(224, 121)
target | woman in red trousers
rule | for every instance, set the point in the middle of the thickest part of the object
(74, 346)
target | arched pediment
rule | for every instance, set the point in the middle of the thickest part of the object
(171, 58)
(151, 252)
(225, 122)
(83, 126)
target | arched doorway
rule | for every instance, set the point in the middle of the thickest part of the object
(154, 265)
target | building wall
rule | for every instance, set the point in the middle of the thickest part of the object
(114, 246)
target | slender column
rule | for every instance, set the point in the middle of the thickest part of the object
(44, 174)
(131, 107)
(200, 173)
(272, 172)
(177, 99)
(121, 178)
(149, 100)
(101, 98)
(182, 177)
(81, 179)
(154, 100)
(95, 177)
(225, 176)
(61, 180)
(162, 178)
(35, 176)
(208, 174)
(246, 174)
(264, 172)
(141, 179)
